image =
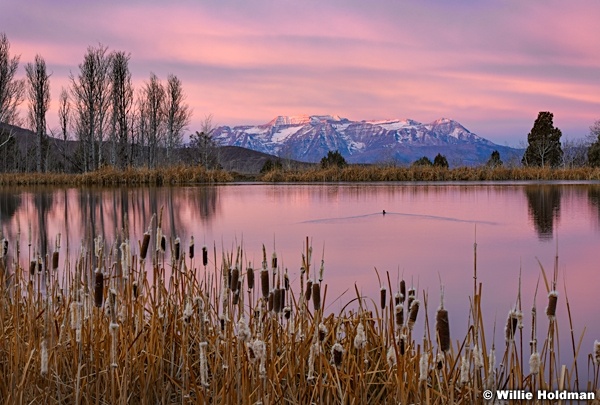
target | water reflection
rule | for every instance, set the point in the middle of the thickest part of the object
(544, 208)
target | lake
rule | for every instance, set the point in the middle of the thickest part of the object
(427, 235)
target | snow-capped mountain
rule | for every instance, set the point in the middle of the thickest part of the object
(309, 138)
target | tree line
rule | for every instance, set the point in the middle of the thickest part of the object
(111, 122)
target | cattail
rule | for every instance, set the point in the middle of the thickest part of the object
(32, 267)
(277, 301)
(309, 284)
(322, 332)
(203, 364)
(382, 297)
(274, 262)
(512, 322)
(287, 312)
(191, 248)
(412, 314)
(188, 312)
(597, 352)
(204, 256)
(4, 250)
(264, 283)
(360, 340)
(402, 291)
(316, 296)
(411, 297)
(55, 260)
(551, 308)
(98, 245)
(235, 278)
(402, 344)
(177, 248)
(399, 312)
(44, 357)
(236, 295)
(337, 352)
(250, 278)
(391, 356)
(397, 297)
(98, 289)
(134, 288)
(534, 363)
(423, 366)
(163, 243)
(243, 330)
(286, 281)
(145, 243)
(442, 327)
(270, 302)
(477, 356)
(464, 369)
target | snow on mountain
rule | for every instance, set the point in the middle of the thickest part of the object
(309, 138)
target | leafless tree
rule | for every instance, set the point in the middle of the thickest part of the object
(152, 118)
(575, 152)
(121, 108)
(64, 113)
(90, 91)
(205, 149)
(11, 89)
(38, 93)
(178, 114)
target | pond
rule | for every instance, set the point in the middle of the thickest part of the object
(427, 234)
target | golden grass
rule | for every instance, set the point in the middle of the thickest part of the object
(110, 176)
(175, 332)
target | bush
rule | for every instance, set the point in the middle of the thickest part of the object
(269, 166)
(424, 161)
(440, 161)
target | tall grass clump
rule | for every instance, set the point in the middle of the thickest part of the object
(143, 323)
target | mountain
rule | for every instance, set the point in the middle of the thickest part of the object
(309, 138)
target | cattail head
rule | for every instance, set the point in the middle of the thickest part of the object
(337, 352)
(32, 267)
(399, 314)
(98, 246)
(360, 340)
(534, 363)
(287, 312)
(145, 244)
(44, 357)
(243, 330)
(163, 243)
(204, 256)
(271, 301)
(235, 278)
(309, 284)
(423, 366)
(278, 300)
(382, 297)
(322, 332)
(442, 327)
(286, 280)
(391, 356)
(264, 283)
(597, 352)
(551, 308)
(191, 249)
(134, 288)
(274, 262)
(55, 260)
(188, 312)
(397, 298)
(316, 296)
(177, 248)
(512, 322)
(402, 290)
(411, 296)
(250, 278)
(413, 312)
(98, 289)
(4, 248)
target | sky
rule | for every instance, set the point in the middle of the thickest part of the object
(491, 65)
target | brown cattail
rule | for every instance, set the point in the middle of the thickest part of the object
(511, 326)
(236, 297)
(322, 332)
(191, 249)
(552, 301)
(286, 281)
(277, 302)
(204, 256)
(442, 327)
(4, 247)
(235, 278)
(32, 267)
(145, 243)
(309, 284)
(163, 243)
(250, 278)
(264, 283)
(402, 291)
(271, 301)
(382, 297)
(98, 289)
(287, 312)
(411, 297)
(399, 312)
(134, 288)
(274, 261)
(55, 260)
(397, 299)
(316, 296)
(177, 249)
(412, 314)
(337, 352)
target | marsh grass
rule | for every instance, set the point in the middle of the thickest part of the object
(158, 330)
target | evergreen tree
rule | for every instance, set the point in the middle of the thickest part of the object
(544, 147)
(424, 161)
(594, 149)
(440, 161)
(333, 159)
(494, 160)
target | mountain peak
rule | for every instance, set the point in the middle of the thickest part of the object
(303, 119)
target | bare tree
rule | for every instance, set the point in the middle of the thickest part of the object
(90, 91)
(178, 114)
(204, 147)
(64, 113)
(38, 93)
(152, 117)
(121, 108)
(11, 89)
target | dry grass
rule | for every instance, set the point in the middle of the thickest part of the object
(180, 331)
(109, 176)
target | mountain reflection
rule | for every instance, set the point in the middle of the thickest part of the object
(543, 208)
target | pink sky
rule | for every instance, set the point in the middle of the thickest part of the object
(491, 65)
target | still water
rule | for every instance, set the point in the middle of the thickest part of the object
(427, 235)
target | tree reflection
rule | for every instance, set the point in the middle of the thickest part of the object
(594, 198)
(544, 208)
(9, 204)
